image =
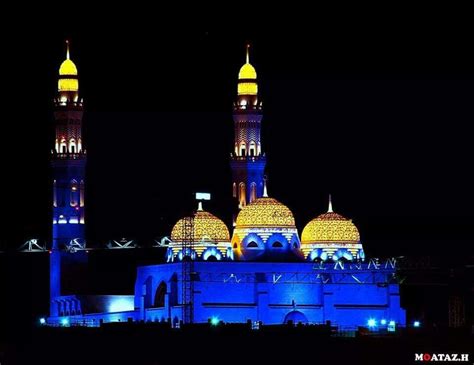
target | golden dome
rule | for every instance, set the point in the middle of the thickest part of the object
(68, 74)
(330, 227)
(207, 227)
(265, 212)
(247, 71)
(68, 68)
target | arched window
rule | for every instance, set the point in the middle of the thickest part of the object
(234, 190)
(74, 193)
(212, 258)
(252, 149)
(63, 146)
(277, 244)
(55, 196)
(72, 145)
(56, 145)
(242, 194)
(235, 245)
(252, 244)
(253, 192)
(81, 194)
(160, 295)
(243, 149)
(79, 145)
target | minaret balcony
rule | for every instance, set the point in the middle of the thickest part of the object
(248, 158)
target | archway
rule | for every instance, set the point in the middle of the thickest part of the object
(160, 295)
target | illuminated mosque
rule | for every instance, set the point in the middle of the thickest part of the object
(260, 272)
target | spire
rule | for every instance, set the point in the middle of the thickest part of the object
(200, 207)
(247, 58)
(330, 205)
(265, 192)
(67, 49)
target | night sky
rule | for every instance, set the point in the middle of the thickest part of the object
(378, 117)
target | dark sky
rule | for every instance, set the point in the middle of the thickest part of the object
(378, 116)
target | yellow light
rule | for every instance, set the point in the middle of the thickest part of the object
(68, 68)
(247, 88)
(265, 212)
(206, 226)
(68, 85)
(247, 71)
(328, 228)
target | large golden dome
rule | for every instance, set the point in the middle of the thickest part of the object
(207, 227)
(330, 227)
(265, 212)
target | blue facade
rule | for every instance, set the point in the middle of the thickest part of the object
(347, 295)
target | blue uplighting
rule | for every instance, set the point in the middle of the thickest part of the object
(65, 322)
(372, 323)
(416, 324)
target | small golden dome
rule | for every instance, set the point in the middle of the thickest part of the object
(207, 227)
(68, 68)
(265, 212)
(68, 74)
(330, 227)
(247, 71)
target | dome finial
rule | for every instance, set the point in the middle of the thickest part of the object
(67, 49)
(265, 192)
(330, 205)
(247, 57)
(200, 207)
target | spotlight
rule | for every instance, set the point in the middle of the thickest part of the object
(416, 324)
(372, 323)
(42, 321)
(214, 321)
(391, 323)
(65, 322)
(383, 322)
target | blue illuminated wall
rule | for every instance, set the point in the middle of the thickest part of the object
(268, 292)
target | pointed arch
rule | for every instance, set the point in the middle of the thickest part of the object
(160, 295)
(253, 192)
(242, 194)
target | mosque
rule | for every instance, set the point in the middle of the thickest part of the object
(260, 272)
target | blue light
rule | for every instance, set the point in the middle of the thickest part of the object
(391, 323)
(65, 322)
(42, 321)
(214, 321)
(121, 304)
(383, 322)
(416, 324)
(372, 323)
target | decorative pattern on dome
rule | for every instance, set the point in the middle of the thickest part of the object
(330, 227)
(265, 212)
(207, 227)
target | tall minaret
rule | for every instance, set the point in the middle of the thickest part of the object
(68, 165)
(247, 160)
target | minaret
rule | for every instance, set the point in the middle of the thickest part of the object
(247, 160)
(68, 165)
